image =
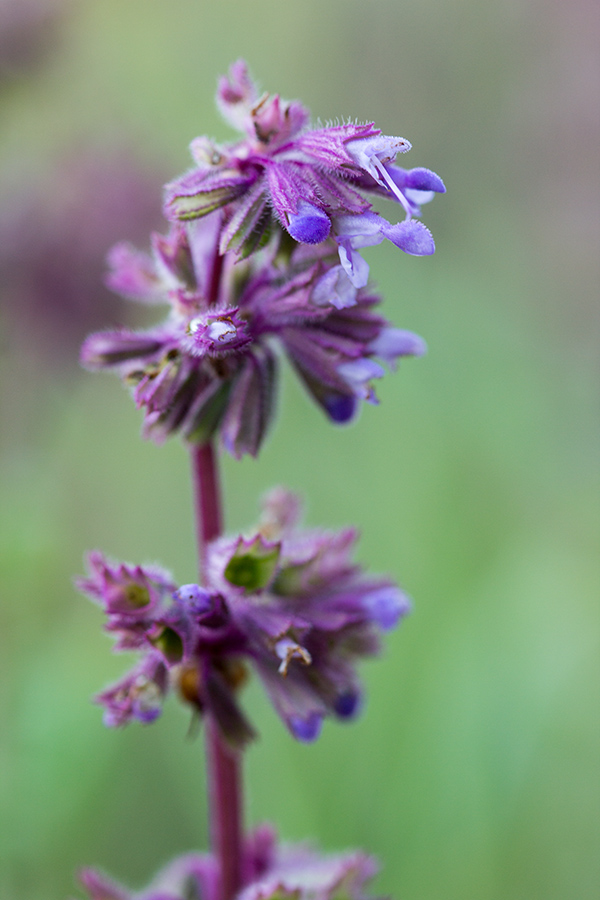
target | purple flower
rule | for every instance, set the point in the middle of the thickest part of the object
(283, 174)
(131, 596)
(139, 695)
(211, 367)
(28, 29)
(55, 230)
(292, 604)
(354, 232)
(271, 872)
(308, 613)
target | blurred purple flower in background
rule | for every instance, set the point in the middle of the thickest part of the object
(27, 33)
(55, 230)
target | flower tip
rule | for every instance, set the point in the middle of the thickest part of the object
(411, 236)
(310, 225)
(421, 179)
(306, 730)
(340, 408)
(386, 606)
(347, 705)
(194, 598)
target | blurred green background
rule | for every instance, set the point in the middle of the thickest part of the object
(473, 772)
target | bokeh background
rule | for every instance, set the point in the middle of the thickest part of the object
(473, 771)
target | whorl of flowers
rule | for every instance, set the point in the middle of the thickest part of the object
(263, 254)
(271, 872)
(310, 182)
(290, 603)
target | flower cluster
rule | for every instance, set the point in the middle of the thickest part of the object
(309, 182)
(210, 366)
(289, 602)
(271, 872)
(263, 251)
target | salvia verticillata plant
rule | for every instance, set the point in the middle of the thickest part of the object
(261, 259)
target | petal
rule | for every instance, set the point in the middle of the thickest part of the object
(420, 179)
(412, 237)
(386, 606)
(355, 267)
(309, 225)
(308, 729)
(198, 600)
(334, 288)
(391, 343)
(365, 230)
(347, 705)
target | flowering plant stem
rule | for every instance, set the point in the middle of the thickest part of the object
(223, 764)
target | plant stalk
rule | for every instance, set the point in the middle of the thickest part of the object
(223, 764)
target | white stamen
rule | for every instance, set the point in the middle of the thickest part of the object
(287, 650)
(392, 185)
(221, 331)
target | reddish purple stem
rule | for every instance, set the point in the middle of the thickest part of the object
(223, 764)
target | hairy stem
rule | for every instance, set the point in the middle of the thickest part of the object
(223, 764)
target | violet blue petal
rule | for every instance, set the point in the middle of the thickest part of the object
(411, 236)
(392, 343)
(355, 267)
(358, 374)
(306, 730)
(195, 598)
(386, 606)
(421, 179)
(310, 225)
(341, 408)
(334, 288)
(347, 705)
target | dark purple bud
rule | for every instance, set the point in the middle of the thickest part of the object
(195, 599)
(340, 407)
(306, 729)
(347, 705)
(309, 225)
